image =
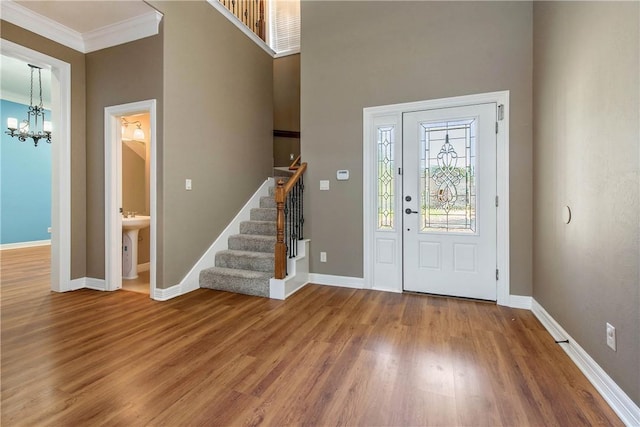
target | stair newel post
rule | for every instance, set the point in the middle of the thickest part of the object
(281, 248)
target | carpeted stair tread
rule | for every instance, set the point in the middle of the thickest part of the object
(265, 228)
(268, 202)
(252, 243)
(263, 214)
(238, 281)
(245, 260)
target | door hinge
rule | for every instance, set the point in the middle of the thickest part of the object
(501, 112)
(399, 171)
(496, 127)
(496, 201)
(497, 274)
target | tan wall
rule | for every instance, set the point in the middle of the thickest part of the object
(33, 41)
(218, 123)
(286, 107)
(133, 195)
(363, 54)
(586, 115)
(118, 75)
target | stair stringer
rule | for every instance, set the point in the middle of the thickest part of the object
(298, 276)
(191, 281)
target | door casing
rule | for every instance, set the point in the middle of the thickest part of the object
(388, 276)
(113, 191)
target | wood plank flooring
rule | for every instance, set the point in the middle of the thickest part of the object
(326, 356)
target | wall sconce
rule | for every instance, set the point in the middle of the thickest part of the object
(138, 133)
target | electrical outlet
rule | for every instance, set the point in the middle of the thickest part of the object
(187, 184)
(49, 230)
(323, 257)
(291, 156)
(611, 336)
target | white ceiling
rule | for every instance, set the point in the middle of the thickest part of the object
(87, 16)
(15, 82)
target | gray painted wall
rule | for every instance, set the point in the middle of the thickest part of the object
(118, 75)
(218, 124)
(586, 128)
(363, 54)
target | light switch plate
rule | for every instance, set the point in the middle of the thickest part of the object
(324, 185)
(187, 184)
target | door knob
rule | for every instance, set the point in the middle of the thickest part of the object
(409, 211)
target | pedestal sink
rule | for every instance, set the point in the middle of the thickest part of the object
(130, 228)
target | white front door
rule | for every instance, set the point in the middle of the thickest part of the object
(449, 201)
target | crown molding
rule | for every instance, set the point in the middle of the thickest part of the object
(41, 25)
(121, 32)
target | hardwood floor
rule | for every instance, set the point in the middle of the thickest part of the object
(326, 356)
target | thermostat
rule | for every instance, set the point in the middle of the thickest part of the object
(342, 175)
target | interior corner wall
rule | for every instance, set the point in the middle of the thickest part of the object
(286, 107)
(117, 75)
(38, 43)
(370, 53)
(586, 126)
(218, 128)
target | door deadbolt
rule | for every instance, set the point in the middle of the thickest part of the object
(408, 198)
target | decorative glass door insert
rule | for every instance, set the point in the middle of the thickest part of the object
(386, 177)
(448, 176)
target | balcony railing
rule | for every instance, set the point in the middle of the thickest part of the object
(251, 13)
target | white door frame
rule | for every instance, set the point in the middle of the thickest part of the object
(113, 190)
(60, 159)
(393, 114)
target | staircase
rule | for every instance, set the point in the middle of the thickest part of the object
(248, 265)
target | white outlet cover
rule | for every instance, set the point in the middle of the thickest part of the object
(187, 184)
(611, 336)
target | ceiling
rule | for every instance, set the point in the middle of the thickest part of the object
(87, 16)
(15, 81)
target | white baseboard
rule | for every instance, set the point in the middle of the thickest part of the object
(520, 301)
(20, 245)
(144, 267)
(622, 405)
(191, 281)
(168, 293)
(341, 281)
(88, 283)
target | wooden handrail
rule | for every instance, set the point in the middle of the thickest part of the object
(282, 189)
(294, 165)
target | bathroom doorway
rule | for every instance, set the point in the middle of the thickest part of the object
(130, 197)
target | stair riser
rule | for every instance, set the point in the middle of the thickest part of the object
(262, 214)
(267, 202)
(243, 243)
(262, 228)
(244, 263)
(213, 280)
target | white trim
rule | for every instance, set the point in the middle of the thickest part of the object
(60, 159)
(20, 245)
(168, 293)
(113, 184)
(622, 404)
(131, 29)
(287, 53)
(340, 281)
(144, 267)
(298, 276)
(88, 283)
(520, 301)
(39, 24)
(235, 21)
(191, 281)
(501, 97)
(121, 32)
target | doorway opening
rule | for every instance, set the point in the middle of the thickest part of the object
(436, 197)
(130, 197)
(60, 159)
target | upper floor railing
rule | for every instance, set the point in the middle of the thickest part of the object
(251, 13)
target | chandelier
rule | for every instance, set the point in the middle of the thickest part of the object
(34, 126)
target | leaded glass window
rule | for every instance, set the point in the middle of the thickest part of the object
(448, 176)
(386, 177)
